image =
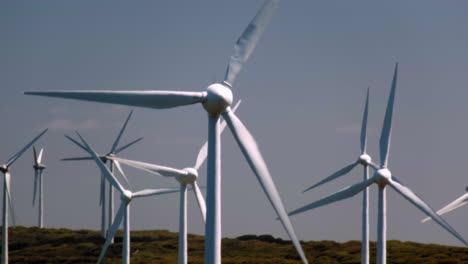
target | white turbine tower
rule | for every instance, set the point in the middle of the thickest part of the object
(7, 202)
(459, 202)
(39, 186)
(102, 193)
(216, 100)
(184, 177)
(123, 214)
(366, 161)
(383, 177)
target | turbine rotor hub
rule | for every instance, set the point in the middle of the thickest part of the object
(217, 97)
(4, 168)
(189, 178)
(126, 196)
(384, 176)
(365, 159)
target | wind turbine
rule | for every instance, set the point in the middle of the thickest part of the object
(5, 169)
(123, 214)
(365, 160)
(102, 193)
(216, 100)
(383, 177)
(38, 185)
(459, 202)
(184, 177)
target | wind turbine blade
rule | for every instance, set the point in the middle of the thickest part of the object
(347, 192)
(459, 202)
(147, 99)
(10, 201)
(200, 200)
(152, 192)
(335, 175)
(128, 145)
(35, 186)
(116, 142)
(119, 168)
(419, 203)
(253, 156)
(152, 168)
(36, 162)
(204, 149)
(113, 229)
(39, 158)
(17, 155)
(77, 158)
(248, 40)
(76, 142)
(110, 177)
(387, 124)
(364, 125)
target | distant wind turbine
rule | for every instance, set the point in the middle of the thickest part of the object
(102, 193)
(123, 213)
(459, 202)
(7, 202)
(216, 100)
(39, 185)
(383, 177)
(184, 177)
(366, 161)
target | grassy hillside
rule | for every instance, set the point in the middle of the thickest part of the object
(51, 246)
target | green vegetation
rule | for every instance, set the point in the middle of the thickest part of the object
(64, 246)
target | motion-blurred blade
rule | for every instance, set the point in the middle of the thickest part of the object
(102, 189)
(248, 40)
(119, 168)
(419, 203)
(387, 124)
(364, 125)
(200, 200)
(10, 201)
(335, 175)
(147, 99)
(128, 145)
(77, 158)
(202, 154)
(253, 156)
(347, 192)
(76, 142)
(459, 202)
(116, 142)
(36, 162)
(17, 155)
(152, 192)
(113, 229)
(35, 186)
(39, 158)
(109, 176)
(152, 168)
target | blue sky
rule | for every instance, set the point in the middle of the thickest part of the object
(303, 92)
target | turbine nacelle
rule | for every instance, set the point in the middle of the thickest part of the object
(217, 97)
(4, 168)
(189, 178)
(365, 159)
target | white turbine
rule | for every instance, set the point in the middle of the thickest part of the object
(216, 100)
(383, 177)
(459, 202)
(366, 161)
(184, 177)
(39, 186)
(7, 202)
(102, 193)
(123, 213)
